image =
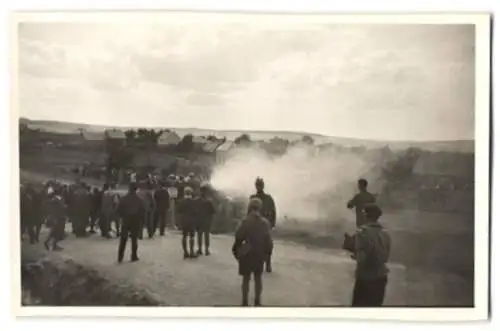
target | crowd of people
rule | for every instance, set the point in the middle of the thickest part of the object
(147, 204)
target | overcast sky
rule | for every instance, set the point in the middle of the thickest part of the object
(388, 82)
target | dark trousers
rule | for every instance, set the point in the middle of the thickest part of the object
(32, 227)
(130, 228)
(203, 234)
(94, 216)
(369, 293)
(79, 222)
(160, 219)
(56, 232)
(104, 225)
(185, 234)
(147, 222)
(245, 288)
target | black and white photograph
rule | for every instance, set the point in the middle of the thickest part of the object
(251, 161)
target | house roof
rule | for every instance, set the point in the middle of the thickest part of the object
(93, 136)
(169, 138)
(445, 164)
(115, 134)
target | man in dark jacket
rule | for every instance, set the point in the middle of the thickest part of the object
(206, 211)
(360, 201)
(56, 214)
(131, 211)
(252, 246)
(162, 201)
(268, 210)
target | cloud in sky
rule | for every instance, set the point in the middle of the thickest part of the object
(390, 82)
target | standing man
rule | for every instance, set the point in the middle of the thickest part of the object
(131, 211)
(107, 211)
(80, 210)
(26, 214)
(360, 201)
(37, 204)
(56, 220)
(162, 200)
(96, 199)
(206, 212)
(268, 211)
(187, 219)
(149, 206)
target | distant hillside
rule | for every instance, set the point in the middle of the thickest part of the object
(462, 146)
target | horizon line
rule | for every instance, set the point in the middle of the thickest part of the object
(250, 131)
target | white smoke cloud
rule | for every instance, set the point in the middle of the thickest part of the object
(306, 186)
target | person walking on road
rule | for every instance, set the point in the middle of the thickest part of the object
(252, 246)
(131, 211)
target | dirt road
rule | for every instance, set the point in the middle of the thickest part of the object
(301, 277)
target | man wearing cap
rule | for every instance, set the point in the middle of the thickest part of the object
(252, 246)
(206, 212)
(188, 215)
(371, 250)
(268, 210)
(131, 211)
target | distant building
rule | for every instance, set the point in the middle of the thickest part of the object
(169, 138)
(93, 139)
(93, 136)
(115, 134)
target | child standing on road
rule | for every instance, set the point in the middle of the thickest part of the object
(252, 246)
